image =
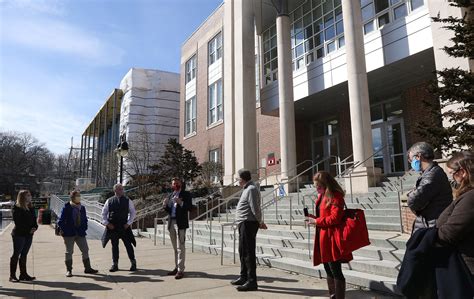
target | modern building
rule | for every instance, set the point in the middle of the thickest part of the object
(144, 111)
(269, 87)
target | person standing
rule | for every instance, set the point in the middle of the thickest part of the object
(329, 214)
(24, 219)
(118, 214)
(432, 192)
(456, 223)
(73, 226)
(248, 218)
(177, 205)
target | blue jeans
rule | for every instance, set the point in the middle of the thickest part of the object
(21, 245)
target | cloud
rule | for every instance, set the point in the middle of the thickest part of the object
(51, 7)
(56, 36)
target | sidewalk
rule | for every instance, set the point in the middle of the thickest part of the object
(204, 276)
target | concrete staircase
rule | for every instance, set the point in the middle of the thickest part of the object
(375, 266)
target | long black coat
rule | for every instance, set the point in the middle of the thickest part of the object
(126, 234)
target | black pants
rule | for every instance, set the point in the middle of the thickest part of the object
(247, 243)
(115, 247)
(334, 270)
(21, 246)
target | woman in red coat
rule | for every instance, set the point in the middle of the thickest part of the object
(329, 213)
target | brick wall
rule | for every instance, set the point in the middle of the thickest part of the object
(268, 128)
(407, 219)
(345, 136)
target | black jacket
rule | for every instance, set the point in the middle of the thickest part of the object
(432, 194)
(24, 221)
(428, 265)
(181, 211)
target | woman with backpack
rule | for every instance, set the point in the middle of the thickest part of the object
(72, 225)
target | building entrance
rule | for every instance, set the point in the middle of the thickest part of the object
(325, 144)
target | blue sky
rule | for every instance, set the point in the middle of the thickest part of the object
(60, 59)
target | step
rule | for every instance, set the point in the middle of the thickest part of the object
(370, 206)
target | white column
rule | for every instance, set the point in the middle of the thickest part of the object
(285, 91)
(228, 70)
(358, 95)
(245, 129)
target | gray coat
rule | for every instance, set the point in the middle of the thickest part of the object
(432, 194)
(456, 227)
(248, 207)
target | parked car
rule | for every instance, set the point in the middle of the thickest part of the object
(6, 209)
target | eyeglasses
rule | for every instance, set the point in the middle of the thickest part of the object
(411, 159)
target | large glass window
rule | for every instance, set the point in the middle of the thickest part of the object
(191, 69)
(215, 48)
(216, 112)
(270, 60)
(190, 116)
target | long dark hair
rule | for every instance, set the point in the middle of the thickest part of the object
(325, 179)
(463, 160)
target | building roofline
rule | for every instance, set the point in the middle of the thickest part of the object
(199, 27)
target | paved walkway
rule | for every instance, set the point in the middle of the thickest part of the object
(204, 276)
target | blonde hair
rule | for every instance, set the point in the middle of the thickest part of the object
(21, 199)
(463, 160)
(325, 180)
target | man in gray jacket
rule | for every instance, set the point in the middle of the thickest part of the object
(432, 192)
(249, 219)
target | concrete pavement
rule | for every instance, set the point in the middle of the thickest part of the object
(204, 276)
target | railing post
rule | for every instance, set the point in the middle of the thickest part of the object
(226, 211)
(291, 212)
(297, 188)
(222, 245)
(192, 235)
(350, 183)
(155, 222)
(400, 212)
(164, 231)
(207, 210)
(210, 232)
(219, 212)
(309, 241)
(276, 207)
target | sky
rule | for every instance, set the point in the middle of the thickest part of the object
(61, 59)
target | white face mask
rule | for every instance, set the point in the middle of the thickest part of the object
(77, 199)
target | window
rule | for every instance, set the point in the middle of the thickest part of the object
(215, 48)
(416, 4)
(270, 59)
(400, 12)
(216, 112)
(215, 172)
(190, 116)
(191, 69)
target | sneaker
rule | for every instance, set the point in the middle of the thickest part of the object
(179, 275)
(174, 272)
(247, 287)
(68, 274)
(238, 282)
(13, 279)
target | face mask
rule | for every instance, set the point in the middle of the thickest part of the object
(176, 187)
(321, 190)
(77, 199)
(416, 165)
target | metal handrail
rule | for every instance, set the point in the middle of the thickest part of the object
(357, 164)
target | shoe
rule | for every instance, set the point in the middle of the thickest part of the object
(174, 272)
(23, 273)
(133, 267)
(13, 279)
(26, 277)
(247, 287)
(69, 273)
(87, 267)
(238, 282)
(114, 268)
(179, 275)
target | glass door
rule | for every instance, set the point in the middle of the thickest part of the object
(391, 135)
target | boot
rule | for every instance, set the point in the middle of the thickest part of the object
(340, 288)
(23, 274)
(133, 267)
(68, 268)
(114, 267)
(331, 287)
(13, 264)
(87, 267)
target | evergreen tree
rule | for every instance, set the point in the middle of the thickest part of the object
(454, 87)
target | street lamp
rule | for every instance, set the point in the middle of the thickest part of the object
(122, 151)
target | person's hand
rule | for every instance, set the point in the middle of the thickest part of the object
(110, 226)
(165, 202)
(32, 231)
(310, 221)
(126, 226)
(179, 201)
(263, 226)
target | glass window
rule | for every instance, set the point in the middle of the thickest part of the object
(338, 13)
(309, 58)
(329, 33)
(369, 27)
(328, 20)
(327, 6)
(299, 38)
(365, 2)
(273, 53)
(392, 2)
(299, 50)
(300, 63)
(297, 13)
(331, 46)
(337, 3)
(342, 42)
(215, 102)
(215, 48)
(306, 7)
(367, 12)
(274, 64)
(416, 4)
(298, 26)
(317, 12)
(339, 28)
(318, 39)
(400, 11)
(190, 113)
(266, 57)
(393, 109)
(318, 130)
(319, 53)
(318, 25)
(308, 45)
(384, 19)
(380, 5)
(376, 114)
(307, 20)
(308, 32)
(191, 69)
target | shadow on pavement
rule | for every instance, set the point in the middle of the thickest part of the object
(35, 294)
(292, 291)
(121, 279)
(148, 272)
(79, 286)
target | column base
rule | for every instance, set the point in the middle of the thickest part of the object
(361, 179)
(228, 179)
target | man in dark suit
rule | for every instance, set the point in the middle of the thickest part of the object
(177, 205)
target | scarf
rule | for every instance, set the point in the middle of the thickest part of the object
(76, 214)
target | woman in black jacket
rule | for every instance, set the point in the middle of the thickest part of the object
(22, 234)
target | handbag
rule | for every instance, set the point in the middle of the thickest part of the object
(57, 230)
(352, 233)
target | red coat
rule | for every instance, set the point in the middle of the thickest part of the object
(325, 248)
